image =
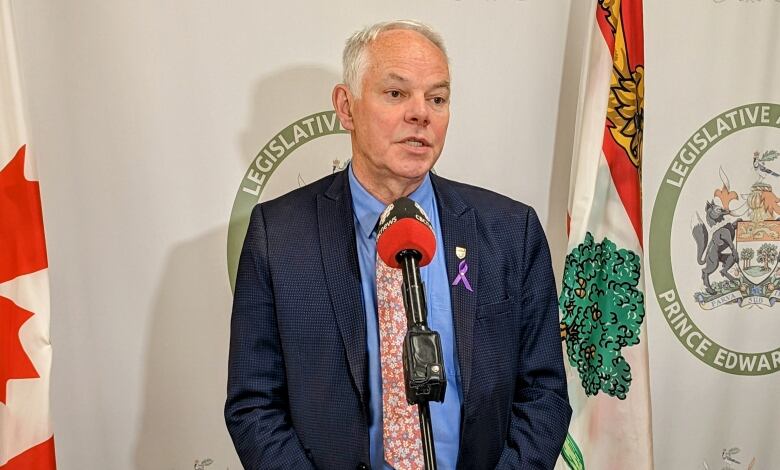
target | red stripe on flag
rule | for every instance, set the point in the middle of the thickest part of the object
(606, 28)
(626, 179)
(40, 457)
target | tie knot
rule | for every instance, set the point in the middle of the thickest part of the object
(387, 277)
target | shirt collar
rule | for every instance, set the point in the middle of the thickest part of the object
(368, 208)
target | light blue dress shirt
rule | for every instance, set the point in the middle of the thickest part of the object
(445, 417)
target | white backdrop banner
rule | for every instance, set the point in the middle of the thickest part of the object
(711, 179)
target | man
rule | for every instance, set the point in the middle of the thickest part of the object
(305, 379)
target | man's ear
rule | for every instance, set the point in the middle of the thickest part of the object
(342, 103)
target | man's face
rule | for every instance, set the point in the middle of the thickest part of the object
(400, 120)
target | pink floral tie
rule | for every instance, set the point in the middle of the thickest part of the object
(401, 423)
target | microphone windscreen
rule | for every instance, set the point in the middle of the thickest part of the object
(404, 226)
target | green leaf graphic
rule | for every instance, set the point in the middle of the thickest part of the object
(571, 454)
(602, 312)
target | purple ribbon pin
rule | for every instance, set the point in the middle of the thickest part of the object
(463, 268)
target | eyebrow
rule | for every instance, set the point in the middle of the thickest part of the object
(395, 76)
(392, 76)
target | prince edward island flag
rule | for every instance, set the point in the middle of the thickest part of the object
(602, 299)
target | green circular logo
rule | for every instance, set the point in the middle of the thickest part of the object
(735, 232)
(267, 161)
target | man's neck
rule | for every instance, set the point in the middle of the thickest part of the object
(386, 190)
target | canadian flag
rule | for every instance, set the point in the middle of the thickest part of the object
(26, 438)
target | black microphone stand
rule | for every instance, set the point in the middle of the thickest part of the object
(424, 376)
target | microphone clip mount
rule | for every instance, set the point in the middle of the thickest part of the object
(423, 361)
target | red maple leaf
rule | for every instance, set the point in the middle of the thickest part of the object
(22, 251)
(22, 243)
(14, 363)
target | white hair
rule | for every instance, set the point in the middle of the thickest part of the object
(355, 55)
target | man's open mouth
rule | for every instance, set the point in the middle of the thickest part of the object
(415, 142)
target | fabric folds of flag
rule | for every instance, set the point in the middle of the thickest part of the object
(602, 299)
(26, 438)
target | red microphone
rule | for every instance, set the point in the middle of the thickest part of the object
(405, 240)
(404, 226)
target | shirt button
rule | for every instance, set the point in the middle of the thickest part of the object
(362, 466)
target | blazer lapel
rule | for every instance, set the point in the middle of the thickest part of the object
(459, 230)
(342, 275)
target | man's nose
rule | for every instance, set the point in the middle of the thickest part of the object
(417, 111)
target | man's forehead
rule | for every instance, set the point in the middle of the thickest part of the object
(401, 38)
(406, 45)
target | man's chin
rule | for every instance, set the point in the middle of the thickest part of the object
(414, 173)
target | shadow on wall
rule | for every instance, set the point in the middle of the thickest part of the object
(580, 14)
(282, 99)
(186, 361)
(182, 425)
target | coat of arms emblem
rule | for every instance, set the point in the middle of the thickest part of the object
(738, 242)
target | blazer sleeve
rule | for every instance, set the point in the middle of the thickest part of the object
(257, 410)
(540, 412)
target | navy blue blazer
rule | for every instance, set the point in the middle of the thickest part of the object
(297, 393)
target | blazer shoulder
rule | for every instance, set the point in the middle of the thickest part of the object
(301, 200)
(486, 202)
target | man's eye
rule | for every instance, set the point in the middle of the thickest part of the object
(394, 93)
(439, 100)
